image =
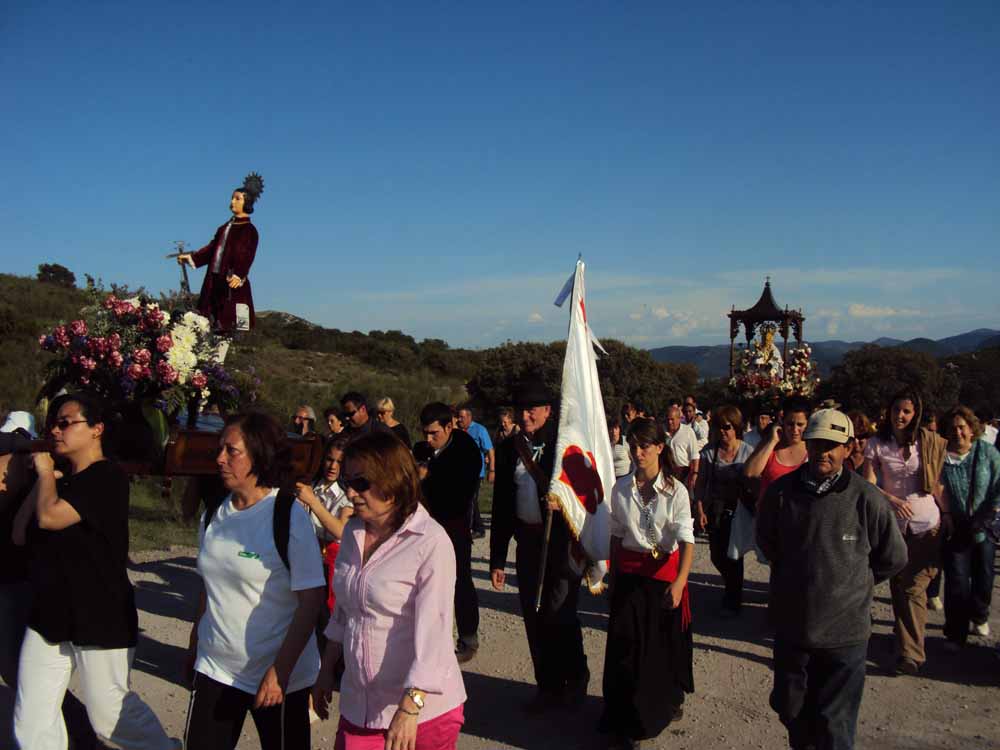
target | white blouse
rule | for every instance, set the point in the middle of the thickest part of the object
(333, 498)
(665, 520)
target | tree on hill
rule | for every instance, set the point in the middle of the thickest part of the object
(977, 373)
(868, 377)
(625, 373)
(53, 273)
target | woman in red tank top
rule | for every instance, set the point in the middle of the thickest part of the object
(781, 449)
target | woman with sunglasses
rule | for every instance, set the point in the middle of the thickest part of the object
(718, 491)
(83, 618)
(648, 659)
(252, 647)
(395, 585)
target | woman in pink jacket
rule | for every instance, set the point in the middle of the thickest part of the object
(395, 587)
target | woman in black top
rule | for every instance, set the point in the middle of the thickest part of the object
(83, 618)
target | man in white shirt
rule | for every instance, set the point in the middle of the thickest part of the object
(684, 446)
(752, 436)
(694, 419)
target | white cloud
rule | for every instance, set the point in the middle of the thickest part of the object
(635, 316)
(536, 317)
(832, 326)
(660, 313)
(858, 310)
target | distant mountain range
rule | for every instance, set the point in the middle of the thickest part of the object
(713, 361)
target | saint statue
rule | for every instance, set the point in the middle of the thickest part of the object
(770, 355)
(226, 299)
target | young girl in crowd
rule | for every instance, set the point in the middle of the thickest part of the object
(648, 659)
(781, 449)
(905, 460)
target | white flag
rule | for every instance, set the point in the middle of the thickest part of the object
(584, 466)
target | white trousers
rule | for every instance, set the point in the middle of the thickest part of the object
(119, 716)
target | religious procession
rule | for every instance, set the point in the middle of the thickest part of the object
(335, 559)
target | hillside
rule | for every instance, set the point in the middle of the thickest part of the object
(296, 361)
(713, 361)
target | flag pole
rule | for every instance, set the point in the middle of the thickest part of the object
(545, 556)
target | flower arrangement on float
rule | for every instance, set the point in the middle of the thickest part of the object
(139, 357)
(761, 375)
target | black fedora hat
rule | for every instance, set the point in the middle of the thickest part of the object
(532, 391)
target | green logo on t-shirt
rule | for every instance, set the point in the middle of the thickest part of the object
(249, 555)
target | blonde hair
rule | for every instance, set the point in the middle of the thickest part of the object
(385, 404)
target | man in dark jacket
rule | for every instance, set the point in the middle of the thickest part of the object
(830, 537)
(520, 506)
(450, 488)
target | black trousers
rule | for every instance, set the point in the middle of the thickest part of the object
(817, 694)
(555, 637)
(216, 713)
(466, 599)
(968, 570)
(730, 570)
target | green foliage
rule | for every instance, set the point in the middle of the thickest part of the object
(53, 273)
(977, 373)
(868, 377)
(625, 373)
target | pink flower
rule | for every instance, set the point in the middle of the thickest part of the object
(166, 373)
(88, 364)
(164, 343)
(78, 328)
(109, 302)
(115, 341)
(98, 346)
(134, 371)
(123, 308)
(115, 358)
(61, 337)
(152, 320)
(142, 357)
(199, 380)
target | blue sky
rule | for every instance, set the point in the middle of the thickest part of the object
(436, 167)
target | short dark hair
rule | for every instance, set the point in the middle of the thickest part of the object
(389, 466)
(435, 412)
(505, 411)
(331, 410)
(93, 408)
(267, 445)
(248, 199)
(338, 442)
(730, 414)
(650, 432)
(465, 407)
(356, 398)
(794, 404)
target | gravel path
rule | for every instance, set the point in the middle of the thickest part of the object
(955, 703)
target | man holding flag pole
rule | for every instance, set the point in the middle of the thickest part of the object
(549, 495)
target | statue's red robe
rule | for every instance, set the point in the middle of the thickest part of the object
(217, 301)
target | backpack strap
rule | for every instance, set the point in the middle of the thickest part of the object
(282, 522)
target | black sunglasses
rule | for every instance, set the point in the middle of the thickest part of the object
(348, 415)
(359, 484)
(63, 424)
(726, 427)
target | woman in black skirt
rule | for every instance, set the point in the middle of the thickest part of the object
(647, 663)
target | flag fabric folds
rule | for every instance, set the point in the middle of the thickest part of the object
(584, 474)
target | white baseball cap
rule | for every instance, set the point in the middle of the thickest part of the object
(19, 420)
(829, 424)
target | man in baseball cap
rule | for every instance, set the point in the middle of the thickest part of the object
(830, 536)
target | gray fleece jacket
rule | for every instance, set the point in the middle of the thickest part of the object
(827, 552)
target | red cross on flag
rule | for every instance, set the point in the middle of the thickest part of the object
(584, 466)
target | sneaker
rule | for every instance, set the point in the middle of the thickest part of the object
(981, 628)
(907, 667)
(466, 650)
(935, 604)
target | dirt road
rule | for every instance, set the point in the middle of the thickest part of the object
(954, 703)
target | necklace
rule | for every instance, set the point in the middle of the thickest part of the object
(648, 497)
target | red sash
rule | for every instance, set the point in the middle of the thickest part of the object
(643, 564)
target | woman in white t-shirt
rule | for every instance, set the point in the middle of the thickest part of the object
(648, 659)
(252, 644)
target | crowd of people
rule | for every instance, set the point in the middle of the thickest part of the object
(355, 579)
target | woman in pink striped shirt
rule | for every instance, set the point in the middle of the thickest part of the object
(395, 588)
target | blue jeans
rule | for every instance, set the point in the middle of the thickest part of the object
(968, 570)
(817, 693)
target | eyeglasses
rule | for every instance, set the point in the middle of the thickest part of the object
(349, 414)
(359, 484)
(726, 427)
(64, 423)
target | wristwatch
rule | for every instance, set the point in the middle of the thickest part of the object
(417, 698)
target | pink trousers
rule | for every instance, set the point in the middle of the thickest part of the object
(440, 733)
